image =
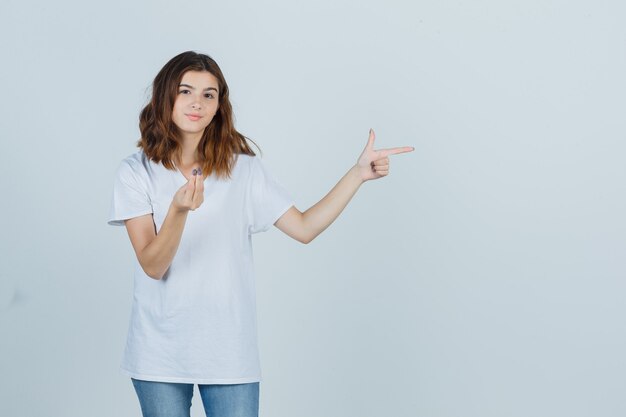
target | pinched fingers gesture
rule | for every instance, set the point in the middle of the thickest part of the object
(191, 195)
(374, 164)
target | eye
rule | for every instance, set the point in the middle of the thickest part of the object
(209, 95)
(184, 92)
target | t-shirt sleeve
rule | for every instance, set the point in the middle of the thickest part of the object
(268, 200)
(130, 197)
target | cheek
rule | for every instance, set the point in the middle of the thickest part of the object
(180, 102)
(176, 120)
(208, 122)
(178, 115)
(213, 109)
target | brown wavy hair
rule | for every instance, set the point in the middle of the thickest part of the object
(160, 139)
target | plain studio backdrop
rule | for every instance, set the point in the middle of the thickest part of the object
(483, 277)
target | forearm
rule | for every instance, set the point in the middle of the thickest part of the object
(317, 218)
(157, 256)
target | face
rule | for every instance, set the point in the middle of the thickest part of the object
(196, 103)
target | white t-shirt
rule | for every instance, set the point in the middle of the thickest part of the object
(198, 323)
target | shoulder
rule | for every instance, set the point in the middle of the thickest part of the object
(136, 165)
(136, 161)
(247, 163)
(247, 168)
(243, 158)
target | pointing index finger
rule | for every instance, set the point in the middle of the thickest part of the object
(394, 151)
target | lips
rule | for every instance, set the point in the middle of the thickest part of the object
(193, 117)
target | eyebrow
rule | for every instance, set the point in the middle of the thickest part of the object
(193, 88)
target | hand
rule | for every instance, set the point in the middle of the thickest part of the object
(191, 195)
(374, 164)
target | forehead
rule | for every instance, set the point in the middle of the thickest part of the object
(200, 80)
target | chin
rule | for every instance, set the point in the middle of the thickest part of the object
(192, 129)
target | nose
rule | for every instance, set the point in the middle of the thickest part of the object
(196, 103)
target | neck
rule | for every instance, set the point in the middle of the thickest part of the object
(188, 154)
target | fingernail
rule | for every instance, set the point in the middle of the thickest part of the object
(194, 172)
(199, 172)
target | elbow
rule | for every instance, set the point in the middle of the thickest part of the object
(153, 273)
(154, 276)
(307, 235)
(305, 240)
(150, 270)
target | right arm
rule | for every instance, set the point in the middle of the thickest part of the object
(155, 252)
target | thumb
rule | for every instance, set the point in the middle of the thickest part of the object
(370, 140)
(190, 185)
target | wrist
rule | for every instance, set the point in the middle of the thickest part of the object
(355, 172)
(177, 210)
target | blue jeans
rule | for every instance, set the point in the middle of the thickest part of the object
(168, 399)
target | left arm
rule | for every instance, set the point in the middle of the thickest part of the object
(372, 164)
(304, 227)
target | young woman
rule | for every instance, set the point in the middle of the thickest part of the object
(190, 199)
